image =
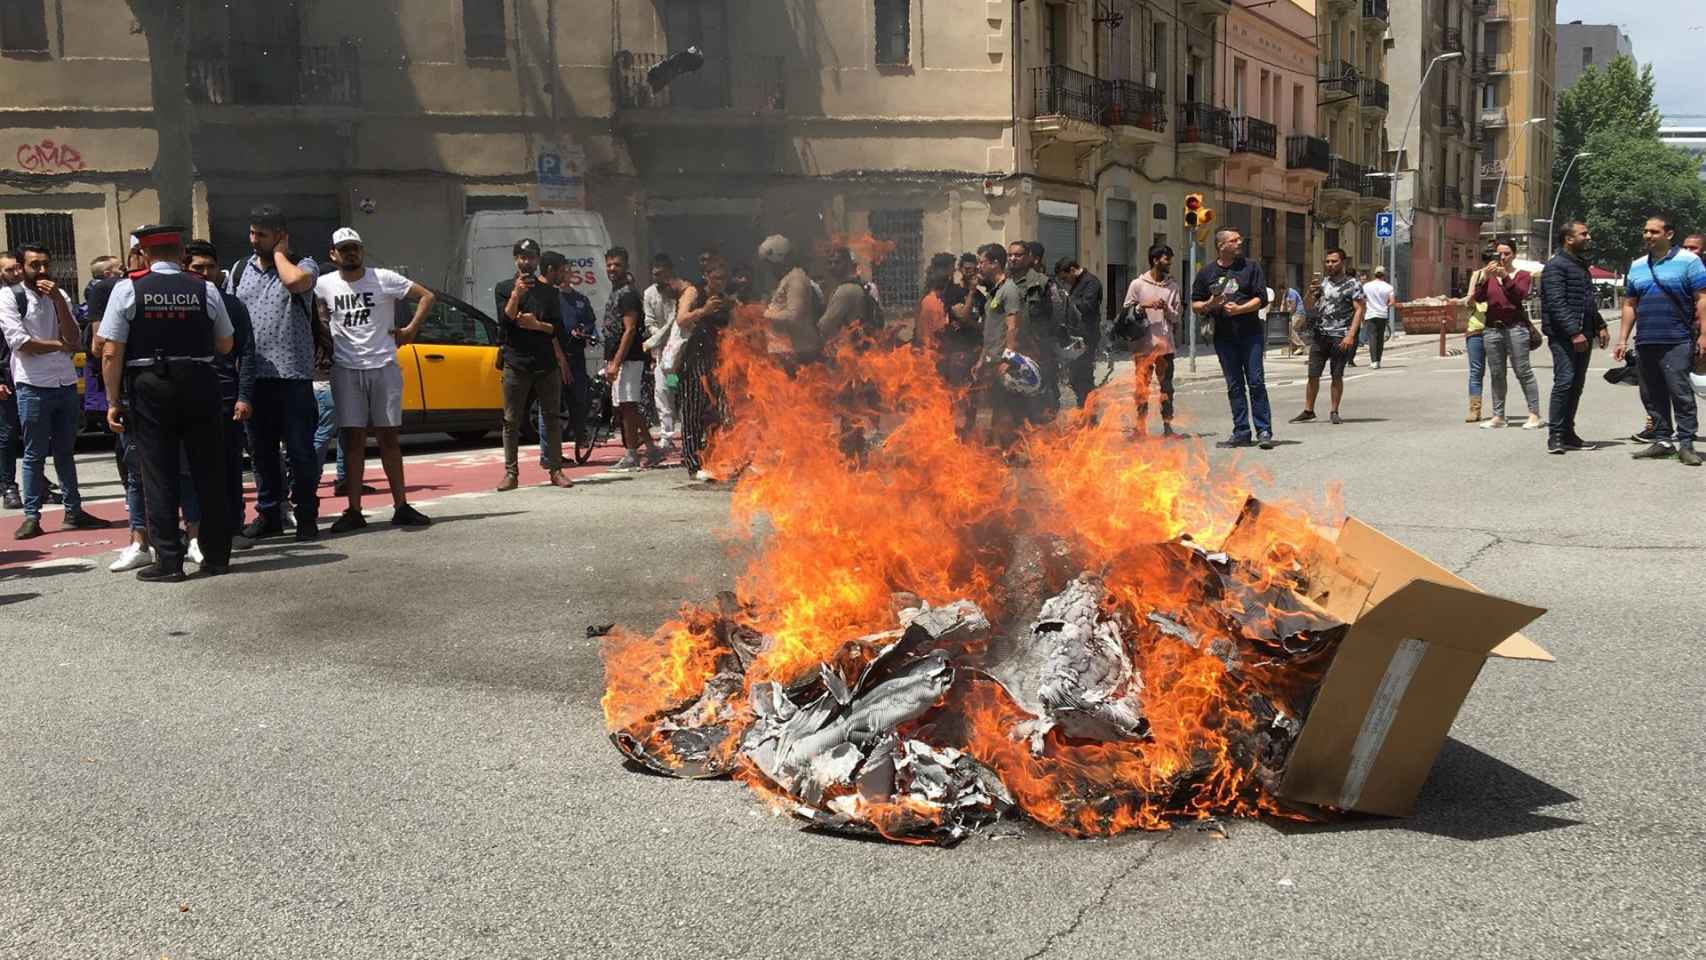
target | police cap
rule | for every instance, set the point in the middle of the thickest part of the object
(159, 236)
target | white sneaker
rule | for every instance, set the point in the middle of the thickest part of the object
(704, 477)
(628, 463)
(1493, 424)
(193, 554)
(133, 557)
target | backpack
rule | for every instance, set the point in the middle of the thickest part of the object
(870, 313)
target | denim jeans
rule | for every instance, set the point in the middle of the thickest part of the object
(1477, 362)
(1240, 352)
(49, 417)
(1510, 343)
(326, 433)
(1670, 396)
(1569, 376)
(285, 413)
(11, 442)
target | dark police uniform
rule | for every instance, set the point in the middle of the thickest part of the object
(173, 408)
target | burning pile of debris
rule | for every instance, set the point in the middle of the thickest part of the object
(1082, 662)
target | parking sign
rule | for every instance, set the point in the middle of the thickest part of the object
(1383, 225)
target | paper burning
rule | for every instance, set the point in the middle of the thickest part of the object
(927, 640)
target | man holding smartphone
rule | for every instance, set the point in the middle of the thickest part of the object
(1227, 292)
(531, 312)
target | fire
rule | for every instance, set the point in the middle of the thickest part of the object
(854, 487)
(867, 250)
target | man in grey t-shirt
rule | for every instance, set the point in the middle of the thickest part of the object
(1335, 305)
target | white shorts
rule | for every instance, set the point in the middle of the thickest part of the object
(368, 398)
(627, 386)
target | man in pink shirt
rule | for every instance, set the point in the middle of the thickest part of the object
(1156, 294)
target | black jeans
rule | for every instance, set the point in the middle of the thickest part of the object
(285, 413)
(233, 464)
(1376, 327)
(1081, 373)
(1569, 376)
(1669, 394)
(175, 416)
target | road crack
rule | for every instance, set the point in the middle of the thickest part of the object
(1101, 899)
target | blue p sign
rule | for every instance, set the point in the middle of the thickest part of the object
(1383, 225)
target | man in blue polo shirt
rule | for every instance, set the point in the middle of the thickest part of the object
(1666, 312)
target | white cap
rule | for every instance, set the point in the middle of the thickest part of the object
(345, 235)
(775, 248)
(134, 243)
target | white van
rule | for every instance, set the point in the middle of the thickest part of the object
(489, 237)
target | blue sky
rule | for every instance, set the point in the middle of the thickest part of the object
(1669, 35)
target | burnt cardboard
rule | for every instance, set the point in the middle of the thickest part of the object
(1419, 636)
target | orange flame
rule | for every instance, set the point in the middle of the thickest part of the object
(854, 485)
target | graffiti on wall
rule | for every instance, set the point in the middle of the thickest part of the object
(49, 157)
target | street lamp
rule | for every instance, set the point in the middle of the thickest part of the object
(1510, 156)
(1552, 231)
(1403, 137)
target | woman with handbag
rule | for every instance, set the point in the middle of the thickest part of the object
(1509, 334)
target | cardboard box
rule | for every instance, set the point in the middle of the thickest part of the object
(1419, 636)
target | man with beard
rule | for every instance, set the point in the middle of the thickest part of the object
(275, 289)
(1571, 321)
(1085, 290)
(359, 305)
(663, 344)
(625, 359)
(579, 327)
(530, 312)
(1335, 303)
(1666, 314)
(1156, 293)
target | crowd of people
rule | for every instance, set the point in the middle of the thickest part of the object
(198, 364)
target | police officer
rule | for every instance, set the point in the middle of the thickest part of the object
(161, 331)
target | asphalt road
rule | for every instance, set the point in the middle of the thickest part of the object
(389, 744)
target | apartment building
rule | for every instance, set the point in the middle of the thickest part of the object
(1518, 104)
(929, 126)
(1353, 101)
(1584, 45)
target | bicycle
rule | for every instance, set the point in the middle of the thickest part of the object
(601, 421)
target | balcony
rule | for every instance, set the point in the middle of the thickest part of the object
(1481, 67)
(1344, 180)
(1307, 153)
(1497, 11)
(1068, 105)
(1494, 117)
(1375, 10)
(1206, 8)
(1451, 198)
(1480, 7)
(1451, 40)
(1136, 112)
(1336, 82)
(1204, 130)
(1492, 169)
(277, 75)
(1376, 191)
(754, 93)
(1253, 136)
(1451, 119)
(1376, 95)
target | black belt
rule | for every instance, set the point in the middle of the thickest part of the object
(163, 361)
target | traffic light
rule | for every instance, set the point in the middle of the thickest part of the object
(1193, 209)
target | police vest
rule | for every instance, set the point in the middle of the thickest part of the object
(171, 318)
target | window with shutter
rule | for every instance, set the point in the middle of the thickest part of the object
(23, 26)
(894, 32)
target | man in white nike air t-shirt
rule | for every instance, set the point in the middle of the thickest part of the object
(360, 306)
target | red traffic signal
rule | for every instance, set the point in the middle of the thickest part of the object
(1193, 205)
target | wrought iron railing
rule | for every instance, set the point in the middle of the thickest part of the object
(281, 74)
(1375, 10)
(1377, 186)
(1344, 175)
(1451, 39)
(1250, 135)
(1135, 105)
(1065, 92)
(1304, 152)
(1336, 80)
(1451, 197)
(1376, 94)
(1205, 123)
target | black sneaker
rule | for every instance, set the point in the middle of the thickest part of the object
(10, 499)
(307, 530)
(215, 569)
(407, 516)
(52, 495)
(154, 573)
(1686, 454)
(1334, 416)
(262, 528)
(1233, 442)
(1660, 450)
(1266, 442)
(1574, 442)
(351, 520)
(1645, 436)
(1304, 417)
(1557, 447)
(84, 521)
(28, 530)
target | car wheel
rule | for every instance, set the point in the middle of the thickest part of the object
(469, 436)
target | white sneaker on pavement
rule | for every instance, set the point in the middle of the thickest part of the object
(704, 477)
(1493, 424)
(628, 462)
(133, 557)
(193, 554)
